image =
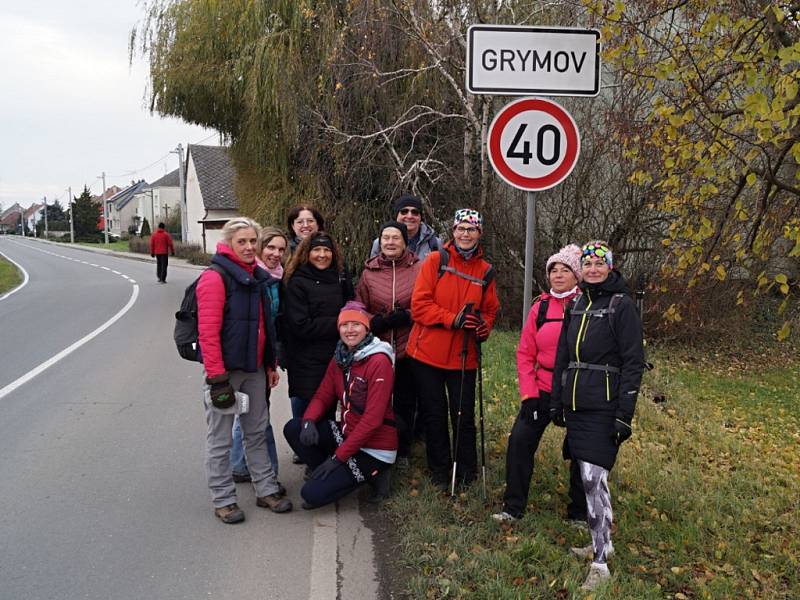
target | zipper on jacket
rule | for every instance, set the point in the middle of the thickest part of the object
(578, 347)
(608, 389)
(394, 300)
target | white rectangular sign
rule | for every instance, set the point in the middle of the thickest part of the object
(525, 61)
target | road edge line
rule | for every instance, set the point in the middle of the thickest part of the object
(71, 348)
(25, 277)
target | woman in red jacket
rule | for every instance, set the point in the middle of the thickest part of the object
(362, 442)
(453, 308)
(536, 356)
(385, 290)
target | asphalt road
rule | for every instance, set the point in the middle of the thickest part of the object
(102, 435)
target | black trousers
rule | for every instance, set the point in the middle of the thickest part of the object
(522, 446)
(432, 383)
(361, 468)
(404, 402)
(161, 266)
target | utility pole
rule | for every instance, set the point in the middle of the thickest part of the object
(184, 219)
(71, 222)
(45, 218)
(105, 208)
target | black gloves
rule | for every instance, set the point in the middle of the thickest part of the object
(326, 468)
(378, 324)
(529, 411)
(222, 394)
(557, 416)
(622, 431)
(399, 318)
(309, 436)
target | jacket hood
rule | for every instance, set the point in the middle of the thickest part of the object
(376, 263)
(377, 346)
(425, 233)
(614, 284)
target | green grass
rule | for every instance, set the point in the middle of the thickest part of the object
(705, 496)
(119, 245)
(10, 277)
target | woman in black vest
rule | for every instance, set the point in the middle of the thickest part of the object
(596, 379)
(316, 288)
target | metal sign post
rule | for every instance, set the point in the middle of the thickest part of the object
(530, 226)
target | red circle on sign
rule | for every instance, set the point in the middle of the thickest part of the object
(508, 112)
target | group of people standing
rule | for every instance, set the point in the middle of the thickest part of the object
(366, 363)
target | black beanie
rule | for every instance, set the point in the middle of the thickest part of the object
(405, 200)
(400, 226)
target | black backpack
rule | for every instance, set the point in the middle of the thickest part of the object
(185, 333)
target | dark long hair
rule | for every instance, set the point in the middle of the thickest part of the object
(300, 256)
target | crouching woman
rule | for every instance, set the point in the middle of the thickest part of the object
(362, 442)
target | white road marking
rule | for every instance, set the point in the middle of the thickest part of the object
(25, 277)
(70, 349)
(324, 548)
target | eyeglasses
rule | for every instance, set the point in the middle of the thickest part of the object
(409, 211)
(467, 230)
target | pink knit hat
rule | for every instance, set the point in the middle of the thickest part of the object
(570, 256)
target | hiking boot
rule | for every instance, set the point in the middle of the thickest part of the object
(229, 514)
(275, 502)
(598, 573)
(308, 506)
(588, 551)
(380, 488)
(241, 477)
(504, 517)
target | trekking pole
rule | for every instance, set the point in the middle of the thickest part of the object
(480, 405)
(464, 347)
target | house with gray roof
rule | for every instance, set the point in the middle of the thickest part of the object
(121, 208)
(159, 201)
(11, 219)
(210, 196)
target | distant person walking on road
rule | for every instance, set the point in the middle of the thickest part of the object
(235, 337)
(596, 380)
(161, 247)
(407, 209)
(361, 443)
(536, 357)
(453, 307)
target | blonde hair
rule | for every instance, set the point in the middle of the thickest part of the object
(237, 223)
(268, 233)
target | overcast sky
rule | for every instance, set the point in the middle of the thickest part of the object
(72, 107)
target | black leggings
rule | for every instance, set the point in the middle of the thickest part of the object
(361, 468)
(522, 446)
(431, 385)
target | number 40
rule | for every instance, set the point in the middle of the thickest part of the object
(526, 154)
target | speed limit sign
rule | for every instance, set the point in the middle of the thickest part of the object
(533, 144)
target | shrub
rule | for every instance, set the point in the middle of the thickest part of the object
(139, 244)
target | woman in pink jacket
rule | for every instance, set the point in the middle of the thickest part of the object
(536, 356)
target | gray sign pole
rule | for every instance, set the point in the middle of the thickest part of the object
(530, 225)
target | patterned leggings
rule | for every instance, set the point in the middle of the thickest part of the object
(598, 513)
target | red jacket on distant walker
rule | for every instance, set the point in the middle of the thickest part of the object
(161, 243)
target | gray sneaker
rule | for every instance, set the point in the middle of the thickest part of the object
(598, 573)
(504, 517)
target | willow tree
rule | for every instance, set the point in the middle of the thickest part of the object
(720, 143)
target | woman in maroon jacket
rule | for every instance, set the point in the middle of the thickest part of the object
(385, 289)
(362, 442)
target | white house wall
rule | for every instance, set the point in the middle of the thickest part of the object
(195, 210)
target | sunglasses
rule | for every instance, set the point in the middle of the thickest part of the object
(412, 211)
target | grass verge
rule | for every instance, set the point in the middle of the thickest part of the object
(705, 496)
(10, 277)
(118, 246)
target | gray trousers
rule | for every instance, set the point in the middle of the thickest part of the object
(219, 440)
(598, 508)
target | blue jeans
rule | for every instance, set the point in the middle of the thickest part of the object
(299, 406)
(238, 461)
